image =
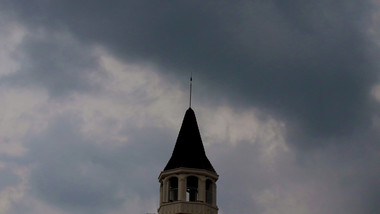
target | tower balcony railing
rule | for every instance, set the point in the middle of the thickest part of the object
(187, 207)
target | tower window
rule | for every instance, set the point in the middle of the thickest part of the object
(173, 189)
(209, 190)
(192, 188)
(161, 192)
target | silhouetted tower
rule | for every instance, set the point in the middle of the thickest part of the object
(188, 180)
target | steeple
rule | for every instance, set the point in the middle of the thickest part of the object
(189, 151)
(188, 182)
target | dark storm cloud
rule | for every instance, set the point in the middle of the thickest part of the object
(307, 62)
(8, 178)
(323, 183)
(75, 174)
(55, 62)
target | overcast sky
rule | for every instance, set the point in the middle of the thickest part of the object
(286, 94)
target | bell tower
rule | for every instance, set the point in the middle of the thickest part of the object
(188, 182)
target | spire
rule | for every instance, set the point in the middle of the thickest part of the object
(189, 151)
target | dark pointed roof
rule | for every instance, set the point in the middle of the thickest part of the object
(189, 151)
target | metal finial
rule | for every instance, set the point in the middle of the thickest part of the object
(191, 87)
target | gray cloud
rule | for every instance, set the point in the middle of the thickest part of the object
(8, 178)
(74, 174)
(321, 182)
(55, 62)
(307, 62)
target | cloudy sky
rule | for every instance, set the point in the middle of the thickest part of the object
(93, 93)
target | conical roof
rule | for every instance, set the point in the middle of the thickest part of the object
(189, 151)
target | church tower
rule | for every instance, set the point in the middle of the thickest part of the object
(188, 180)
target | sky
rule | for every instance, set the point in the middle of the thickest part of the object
(286, 94)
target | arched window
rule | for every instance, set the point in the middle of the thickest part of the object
(209, 191)
(161, 192)
(192, 188)
(173, 189)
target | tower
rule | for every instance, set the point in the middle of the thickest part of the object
(187, 183)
